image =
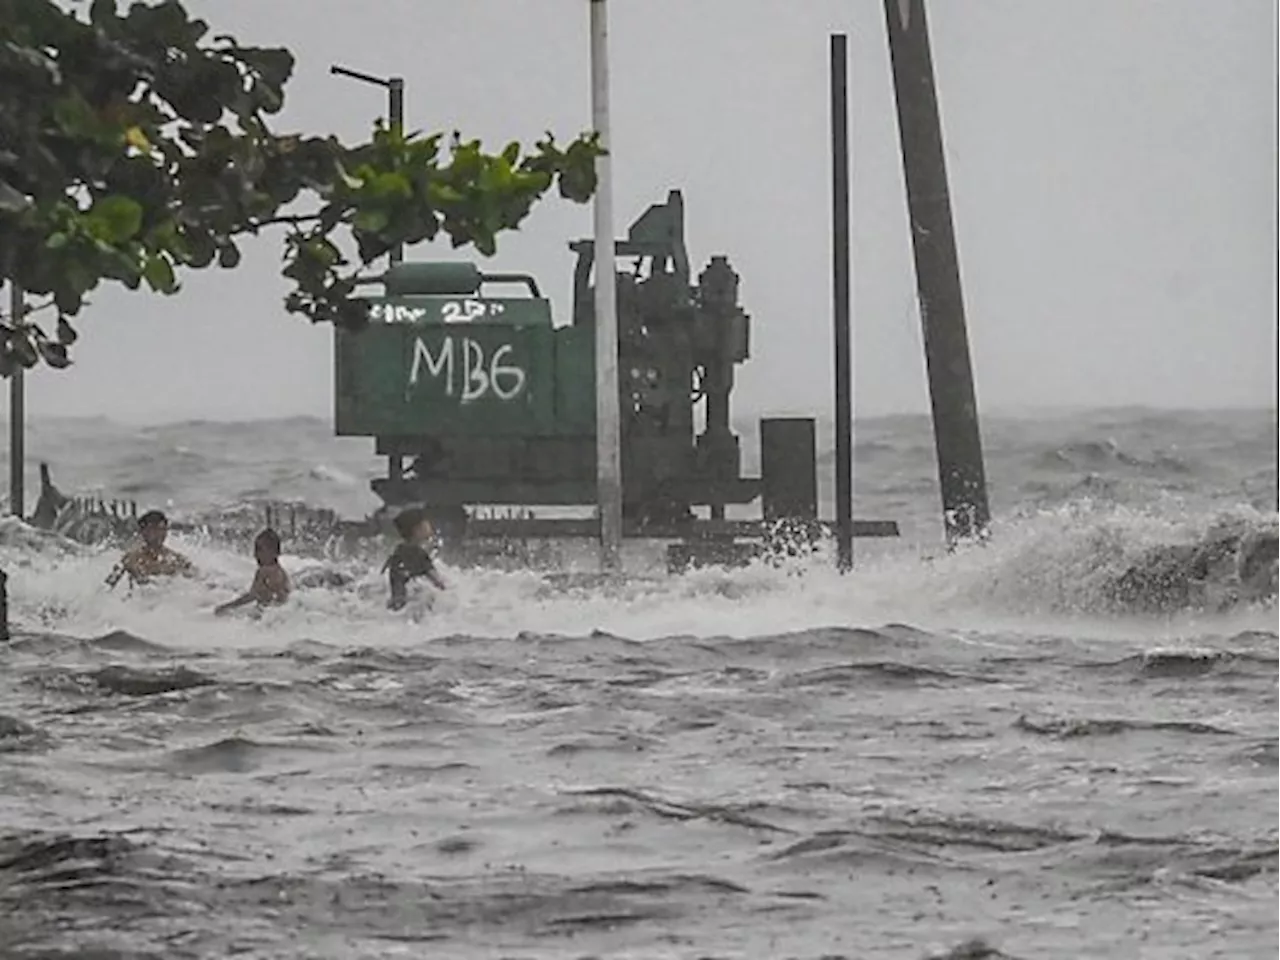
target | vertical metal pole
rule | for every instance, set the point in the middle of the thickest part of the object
(395, 117)
(17, 413)
(608, 433)
(957, 438)
(840, 294)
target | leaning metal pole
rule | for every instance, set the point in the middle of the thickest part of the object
(957, 438)
(608, 432)
(17, 412)
(840, 297)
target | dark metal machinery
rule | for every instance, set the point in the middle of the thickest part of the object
(678, 345)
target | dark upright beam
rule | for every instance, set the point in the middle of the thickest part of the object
(840, 295)
(17, 411)
(395, 116)
(946, 343)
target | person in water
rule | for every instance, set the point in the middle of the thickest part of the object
(410, 559)
(152, 559)
(270, 585)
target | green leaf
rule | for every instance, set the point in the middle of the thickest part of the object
(441, 194)
(74, 116)
(352, 182)
(200, 248)
(321, 251)
(274, 64)
(54, 354)
(229, 257)
(67, 300)
(389, 185)
(24, 352)
(371, 220)
(102, 13)
(159, 275)
(115, 218)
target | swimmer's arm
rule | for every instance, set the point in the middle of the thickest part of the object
(236, 604)
(260, 591)
(127, 564)
(429, 570)
(245, 598)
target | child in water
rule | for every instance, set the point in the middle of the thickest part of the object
(411, 559)
(152, 559)
(270, 584)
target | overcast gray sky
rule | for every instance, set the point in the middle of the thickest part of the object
(1112, 164)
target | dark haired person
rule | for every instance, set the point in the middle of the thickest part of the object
(410, 558)
(152, 558)
(270, 584)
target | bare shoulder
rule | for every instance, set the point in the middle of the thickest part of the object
(179, 560)
(132, 558)
(275, 577)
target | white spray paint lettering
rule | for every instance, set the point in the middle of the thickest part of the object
(392, 313)
(480, 377)
(466, 311)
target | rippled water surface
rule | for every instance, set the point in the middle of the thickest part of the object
(957, 757)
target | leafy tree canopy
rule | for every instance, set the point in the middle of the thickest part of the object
(135, 144)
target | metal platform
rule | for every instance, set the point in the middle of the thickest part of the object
(589, 527)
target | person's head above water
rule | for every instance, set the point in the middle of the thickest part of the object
(266, 547)
(154, 527)
(413, 525)
(1260, 549)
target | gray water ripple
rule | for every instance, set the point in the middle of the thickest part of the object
(535, 795)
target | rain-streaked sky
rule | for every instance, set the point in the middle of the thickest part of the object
(1112, 165)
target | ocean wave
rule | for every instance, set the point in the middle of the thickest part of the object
(1071, 723)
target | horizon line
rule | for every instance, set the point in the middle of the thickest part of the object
(1008, 412)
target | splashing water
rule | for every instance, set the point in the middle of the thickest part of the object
(989, 752)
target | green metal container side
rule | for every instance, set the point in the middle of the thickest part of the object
(492, 379)
(575, 385)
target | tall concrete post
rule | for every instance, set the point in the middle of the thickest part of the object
(957, 438)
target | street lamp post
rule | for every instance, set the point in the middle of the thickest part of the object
(395, 114)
